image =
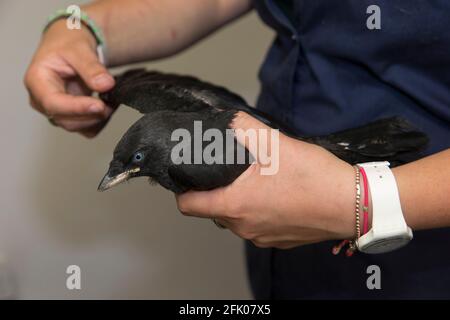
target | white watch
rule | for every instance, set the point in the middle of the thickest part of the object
(389, 230)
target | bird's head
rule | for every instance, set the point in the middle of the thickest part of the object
(134, 156)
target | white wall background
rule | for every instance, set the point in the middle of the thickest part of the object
(130, 242)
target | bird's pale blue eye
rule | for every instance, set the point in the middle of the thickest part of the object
(138, 156)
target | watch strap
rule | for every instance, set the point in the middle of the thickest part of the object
(387, 215)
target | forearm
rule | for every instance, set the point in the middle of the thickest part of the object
(424, 188)
(138, 30)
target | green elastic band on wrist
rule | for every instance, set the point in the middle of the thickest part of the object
(88, 22)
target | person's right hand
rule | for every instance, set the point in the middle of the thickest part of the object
(64, 72)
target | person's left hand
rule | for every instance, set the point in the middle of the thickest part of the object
(310, 199)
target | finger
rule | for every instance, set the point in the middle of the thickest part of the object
(36, 106)
(77, 125)
(289, 245)
(86, 117)
(284, 245)
(89, 134)
(254, 135)
(221, 223)
(61, 104)
(47, 90)
(94, 130)
(89, 68)
(204, 204)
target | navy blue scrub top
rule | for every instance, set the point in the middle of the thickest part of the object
(326, 71)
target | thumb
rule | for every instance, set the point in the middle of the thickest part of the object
(260, 140)
(203, 204)
(91, 71)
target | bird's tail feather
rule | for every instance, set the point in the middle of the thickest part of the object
(390, 139)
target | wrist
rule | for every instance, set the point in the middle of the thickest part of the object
(58, 32)
(78, 22)
(345, 204)
(412, 221)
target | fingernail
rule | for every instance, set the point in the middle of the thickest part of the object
(103, 80)
(95, 108)
(88, 135)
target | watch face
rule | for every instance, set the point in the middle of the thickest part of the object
(385, 245)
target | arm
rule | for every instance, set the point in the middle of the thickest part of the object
(312, 196)
(138, 30)
(65, 68)
(424, 188)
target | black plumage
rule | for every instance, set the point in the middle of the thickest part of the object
(170, 101)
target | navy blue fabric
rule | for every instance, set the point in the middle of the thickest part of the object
(326, 72)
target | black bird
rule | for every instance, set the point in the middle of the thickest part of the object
(170, 101)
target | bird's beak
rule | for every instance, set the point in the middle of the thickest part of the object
(110, 181)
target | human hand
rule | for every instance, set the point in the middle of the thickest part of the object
(310, 199)
(63, 74)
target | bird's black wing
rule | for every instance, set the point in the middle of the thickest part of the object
(392, 139)
(149, 91)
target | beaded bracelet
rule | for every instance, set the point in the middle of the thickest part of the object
(88, 22)
(352, 243)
